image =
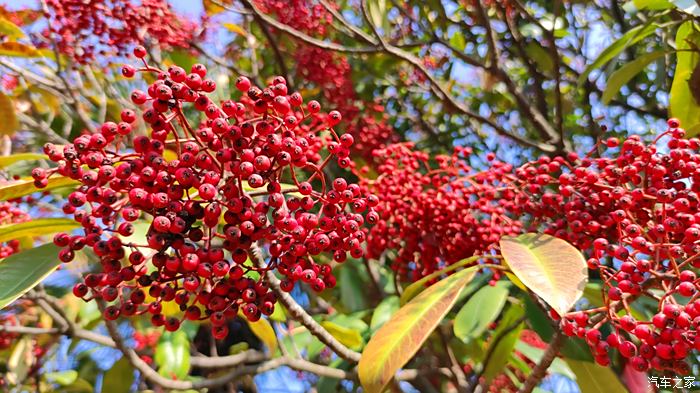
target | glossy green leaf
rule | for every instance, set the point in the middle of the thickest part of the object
(23, 271)
(631, 37)
(395, 343)
(620, 77)
(592, 378)
(119, 378)
(10, 29)
(11, 159)
(682, 102)
(417, 287)
(173, 355)
(25, 186)
(38, 227)
(351, 284)
(503, 341)
(351, 338)
(480, 310)
(383, 312)
(550, 267)
(457, 41)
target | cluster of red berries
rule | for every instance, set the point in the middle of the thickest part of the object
(11, 213)
(242, 176)
(435, 215)
(83, 29)
(634, 210)
(333, 75)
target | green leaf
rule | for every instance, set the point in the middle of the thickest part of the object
(11, 159)
(39, 227)
(480, 310)
(351, 285)
(119, 378)
(25, 186)
(541, 56)
(10, 29)
(592, 378)
(8, 119)
(633, 36)
(503, 341)
(378, 13)
(395, 343)
(652, 5)
(551, 267)
(682, 103)
(457, 41)
(23, 271)
(535, 354)
(620, 77)
(351, 338)
(173, 355)
(383, 312)
(417, 287)
(63, 378)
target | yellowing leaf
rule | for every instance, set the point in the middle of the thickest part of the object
(25, 186)
(682, 103)
(417, 287)
(234, 28)
(395, 343)
(15, 49)
(264, 331)
(552, 268)
(349, 337)
(11, 159)
(43, 226)
(8, 118)
(10, 29)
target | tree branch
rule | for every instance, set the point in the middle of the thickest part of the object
(298, 313)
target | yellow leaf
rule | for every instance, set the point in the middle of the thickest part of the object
(552, 268)
(264, 331)
(234, 28)
(395, 343)
(8, 118)
(15, 49)
(211, 8)
(11, 159)
(25, 186)
(10, 29)
(349, 337)
(43, 226)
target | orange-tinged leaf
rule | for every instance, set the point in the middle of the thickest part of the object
(15, 49)
(10, 29)
(8, 118)
(551, 267)
(25, 186)
(234, 28)
(395, 343)
(212, 8)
